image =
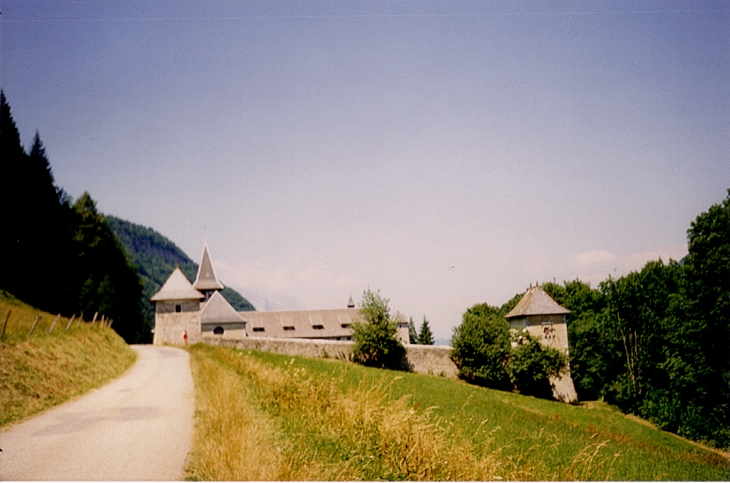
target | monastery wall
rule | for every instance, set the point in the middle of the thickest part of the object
(422, 358)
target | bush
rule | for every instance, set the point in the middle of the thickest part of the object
(376, 336)
(481, 347)
(531, 365)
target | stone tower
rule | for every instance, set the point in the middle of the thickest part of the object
(543, 318)
(177, 309)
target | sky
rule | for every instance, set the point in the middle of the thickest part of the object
(442, 153)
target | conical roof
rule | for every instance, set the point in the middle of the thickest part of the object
(177, 287)
(536, 302)
(217, 310)
(399, 318)
(206, 279)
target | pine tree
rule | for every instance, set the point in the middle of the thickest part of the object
(425, 336)
(12, 159)
(412, 334)
(106, 281)
(35, 233)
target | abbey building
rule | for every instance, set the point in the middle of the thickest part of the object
(185, 313)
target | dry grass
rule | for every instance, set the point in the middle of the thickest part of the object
(260, 422)
(233, 441)
(44, 370)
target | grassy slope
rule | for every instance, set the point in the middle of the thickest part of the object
(530, 438)
(43, 370)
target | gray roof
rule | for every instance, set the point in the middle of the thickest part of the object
(217, 310)
(536, 302)
(399, 318)
(206, 279)
(177, 287)
(305, 323)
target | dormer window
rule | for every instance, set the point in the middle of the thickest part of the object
(178, 308)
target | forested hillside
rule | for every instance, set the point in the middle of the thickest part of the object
(58, 255)
(155, 257)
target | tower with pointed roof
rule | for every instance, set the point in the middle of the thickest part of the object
(199, 311)
(206, 280)
(177, 309)
(186, 312)
(543, 318)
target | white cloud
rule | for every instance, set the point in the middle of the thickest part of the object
(593, 257)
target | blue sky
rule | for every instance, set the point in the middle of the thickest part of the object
(444, 153)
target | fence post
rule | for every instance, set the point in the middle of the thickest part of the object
(34, 324)
(54, 323)
(81, 319)
(6, 323)
(70, 322)
(111, 321)
(94, 320)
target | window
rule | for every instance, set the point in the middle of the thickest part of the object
(258, 329)
(547, 330)
(288, 327)
(318, 327)
(178, 308)
(219, 330)
(345, 326)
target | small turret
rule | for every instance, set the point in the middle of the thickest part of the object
(207, 281)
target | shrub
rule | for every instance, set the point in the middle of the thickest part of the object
(481, 347)
(531, 365)
(376, 336)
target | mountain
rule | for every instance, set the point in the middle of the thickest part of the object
(156, 256)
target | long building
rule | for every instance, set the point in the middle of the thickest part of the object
(185, 312)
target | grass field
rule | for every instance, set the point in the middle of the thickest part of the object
(263, 416)
(43, 370)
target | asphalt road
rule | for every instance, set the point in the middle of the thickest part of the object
(138, 427)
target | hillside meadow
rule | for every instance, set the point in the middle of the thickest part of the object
(44, 369)
(263, 416)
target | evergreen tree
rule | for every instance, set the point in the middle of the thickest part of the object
(106, 281)
(425, 336)
(12, 236)
(35, 235)
(412, 334)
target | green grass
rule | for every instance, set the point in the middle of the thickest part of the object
(42, 370)
(513, 436)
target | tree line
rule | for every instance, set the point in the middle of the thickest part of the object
(655, 342)
(58, 254)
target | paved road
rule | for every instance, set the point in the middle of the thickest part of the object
(138, 427)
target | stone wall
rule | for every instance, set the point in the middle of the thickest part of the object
(421, 358)
(169, 328)
(432, 359)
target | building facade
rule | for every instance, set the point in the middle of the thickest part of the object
(186, 312)
(544, 319)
